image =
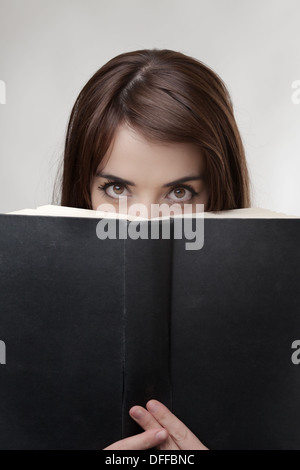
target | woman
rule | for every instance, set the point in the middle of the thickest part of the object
(156, 127)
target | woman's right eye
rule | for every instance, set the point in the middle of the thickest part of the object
(114, 190)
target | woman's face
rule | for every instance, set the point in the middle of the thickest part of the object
(148, 173)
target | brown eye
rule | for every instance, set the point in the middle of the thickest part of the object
(180, 193)
(114, 190)
(118, 188)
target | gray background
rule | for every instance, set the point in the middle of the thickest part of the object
(49, 49)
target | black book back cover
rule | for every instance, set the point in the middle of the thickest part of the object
(59, 318)
(93, 327)
(235, 315)
(86, 330)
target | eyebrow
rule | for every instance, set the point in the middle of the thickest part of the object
(172, 183)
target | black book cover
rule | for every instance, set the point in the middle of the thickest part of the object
(93, 327)
(86, 326)
(235, 315)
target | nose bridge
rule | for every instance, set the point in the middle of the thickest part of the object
(148, 207)
(142, 202)
(142, 206)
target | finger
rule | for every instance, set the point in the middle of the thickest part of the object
(144, 419)
(181, 435)
(143, 441)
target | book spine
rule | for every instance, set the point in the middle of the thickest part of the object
(147, 320)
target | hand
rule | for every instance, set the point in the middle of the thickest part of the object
(162, 430)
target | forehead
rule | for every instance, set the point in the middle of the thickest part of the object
(132, 156)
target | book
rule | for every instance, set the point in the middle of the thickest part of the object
(94, 326)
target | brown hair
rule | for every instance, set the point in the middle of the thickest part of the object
(167, 97)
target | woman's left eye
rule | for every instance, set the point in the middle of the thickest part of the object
(182, 194)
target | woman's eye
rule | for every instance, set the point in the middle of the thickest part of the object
(115, 190)
(181, 195)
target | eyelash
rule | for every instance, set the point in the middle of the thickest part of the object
(111, 183)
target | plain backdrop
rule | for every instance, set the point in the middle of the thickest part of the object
(49, 49)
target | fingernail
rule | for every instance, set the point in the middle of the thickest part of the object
(137, 413)
(152, 406)
(161, 435)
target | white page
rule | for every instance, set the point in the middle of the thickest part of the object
(61, 211)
